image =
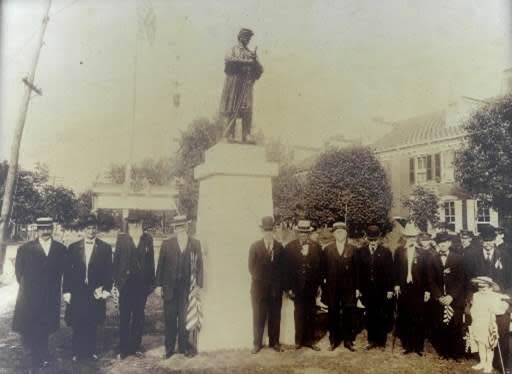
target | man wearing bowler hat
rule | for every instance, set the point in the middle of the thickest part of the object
(303, 273)
(374, 285)
(446, 283)
(179, 276)
(134, 277)
(339, 271)
(39, 267)
(493, 262)
(266, 269)
(87, 284)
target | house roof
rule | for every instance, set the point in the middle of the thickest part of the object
(418, 130)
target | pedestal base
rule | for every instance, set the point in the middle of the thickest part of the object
(235, 191)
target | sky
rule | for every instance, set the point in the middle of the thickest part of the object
(330, 68)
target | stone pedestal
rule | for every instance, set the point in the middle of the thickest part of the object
(235, 192)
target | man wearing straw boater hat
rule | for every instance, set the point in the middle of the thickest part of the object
(339, 272)
(303, 270)
(87, 284)
(134, 277)
(411, 288)
(179, 278)
(39, 267)
(493, 262)
(266, 269)
(374, 285)
(446, 282)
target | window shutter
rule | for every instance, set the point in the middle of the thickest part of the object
(437, 166)
(429, 167)
(411, 171)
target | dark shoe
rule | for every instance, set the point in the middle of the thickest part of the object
(298, 346)
(256, 349)
(419, 353)
(371, 346)
(190, 354)
(168, 354)
(407, 351)
(139, 354)
(314, 347)
(277, 348)
(349, 346)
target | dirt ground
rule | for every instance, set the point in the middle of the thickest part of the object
(14, 360)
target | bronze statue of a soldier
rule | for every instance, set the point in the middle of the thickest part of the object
(242, 69)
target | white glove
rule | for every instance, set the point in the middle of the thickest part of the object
(98, 293)
(67, 297)
(426, 297)
(397, 290)
(389, 295)
(105, 294)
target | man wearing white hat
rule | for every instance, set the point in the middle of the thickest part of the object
(40, 265)
(411, 288)
(303, 269)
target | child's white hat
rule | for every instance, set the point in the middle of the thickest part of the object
(485, 281)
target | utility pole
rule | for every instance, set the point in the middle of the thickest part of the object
(16, 144)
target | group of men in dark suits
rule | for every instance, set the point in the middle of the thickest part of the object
(85, 273)
(425, 285)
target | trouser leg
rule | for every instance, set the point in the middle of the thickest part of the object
(333, 315)
(299, 321)
(274, 320)
(503, 323)
(259, 314)
(171, 325)
(138, 319)
(183, 345)
(125, 316)
(347, 331)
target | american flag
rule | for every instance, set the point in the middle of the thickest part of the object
(194, 312)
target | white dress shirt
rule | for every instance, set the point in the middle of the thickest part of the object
(411, 251)
(340, 246)
(182, 242)
(488, 254)
(46, 244)
(88, 246)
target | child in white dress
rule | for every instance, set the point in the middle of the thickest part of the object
(486, 305)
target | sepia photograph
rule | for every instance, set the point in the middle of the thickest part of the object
(244, 186)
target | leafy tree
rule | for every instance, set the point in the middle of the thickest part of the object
(199, 136)
(156, 172)
(61, 204)
(349, 183)
(287, 191)
(483, 165)
(423, 207)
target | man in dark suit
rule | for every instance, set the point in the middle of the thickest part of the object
(180, 265)
(266, 269)
(39, 268)
(411, 288)
(87, 284)
(374, 285)
(339, 272)
(303, 273)
(494, 262)
(134, 277)
(446, 284)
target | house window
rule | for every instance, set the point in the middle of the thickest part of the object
(425, 168)
(421, 169)
(483, 214)
(449, 214)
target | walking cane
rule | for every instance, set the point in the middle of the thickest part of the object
(501, 359)
(395, 316)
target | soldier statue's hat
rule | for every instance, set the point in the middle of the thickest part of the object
(487, 233)
(43, 222)
(267, 223)
(245, 32)
(373, 232)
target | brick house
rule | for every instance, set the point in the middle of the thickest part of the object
(421, 151)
